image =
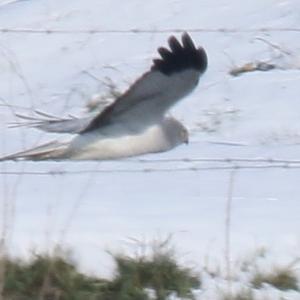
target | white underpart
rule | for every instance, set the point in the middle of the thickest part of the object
(94, 147)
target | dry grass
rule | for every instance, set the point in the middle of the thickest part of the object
(245, 294)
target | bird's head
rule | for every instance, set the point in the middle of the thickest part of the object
(175, 132)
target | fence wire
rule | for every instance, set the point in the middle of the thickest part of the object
(169, 165)
(4, 30)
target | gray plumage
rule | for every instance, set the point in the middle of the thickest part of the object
(135, 123)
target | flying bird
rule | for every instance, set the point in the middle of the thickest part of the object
(136, 122)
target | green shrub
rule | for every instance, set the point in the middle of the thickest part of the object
(56, 277)
(48, 277)
(160, 273)
(282, 279)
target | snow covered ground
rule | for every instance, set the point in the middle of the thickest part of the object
(255, 115)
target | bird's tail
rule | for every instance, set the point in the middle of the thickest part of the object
(54, 150)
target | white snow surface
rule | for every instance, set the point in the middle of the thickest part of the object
(254, 115)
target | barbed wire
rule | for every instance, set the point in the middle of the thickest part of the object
(230, 165)
(214, 159)
(146, 31)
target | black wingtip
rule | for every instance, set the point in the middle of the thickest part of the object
(180, 56)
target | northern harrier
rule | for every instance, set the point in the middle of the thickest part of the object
(136, 122)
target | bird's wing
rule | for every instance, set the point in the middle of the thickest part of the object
(170, 78)
(50, 123)
(72, 125)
